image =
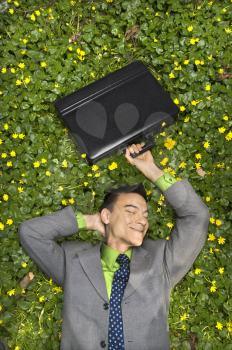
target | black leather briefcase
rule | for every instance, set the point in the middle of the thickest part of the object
(126, 106)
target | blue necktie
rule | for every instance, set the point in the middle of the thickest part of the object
(121, 276)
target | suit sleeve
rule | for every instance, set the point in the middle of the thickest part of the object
(189, 233)
(38, 237)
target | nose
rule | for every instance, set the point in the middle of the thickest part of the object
(142, 220)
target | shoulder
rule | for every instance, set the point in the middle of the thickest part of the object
(76, 246)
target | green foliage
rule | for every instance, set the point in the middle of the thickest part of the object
(64, 46)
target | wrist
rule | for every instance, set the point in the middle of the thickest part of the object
(154, 173)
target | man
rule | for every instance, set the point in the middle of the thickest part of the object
(116, 293)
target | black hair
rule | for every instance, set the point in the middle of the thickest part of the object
(112, 194)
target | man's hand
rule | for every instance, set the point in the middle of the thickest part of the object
(144, 162)
(93, 222)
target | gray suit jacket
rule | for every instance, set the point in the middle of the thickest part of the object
(155, 268)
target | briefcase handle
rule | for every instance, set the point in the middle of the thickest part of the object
(145, 148)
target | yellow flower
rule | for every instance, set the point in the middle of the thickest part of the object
(186, 120)
(221, 130)
(1, 142)
(21, 65)
(32, 17)
(43, 64)
(220, 70)
(213, 289)
(206, 144)
(221, 270)
(85, 183)
(212, 220)
(9, 222)
(36, 164)
(225, 117)
(37, 12)
(190, 28)
(4, 155)
(219, 326)
(221, 240)
(186, 62)
(13, 153)
(4, 70)
(71, 200)
(198, 155)
(195, 102)
(41, 299)
(25, 41)
(113, 166)
(193, 41)
(9, 164)
(218, 222)
(182, 108)
(184, 317)
(164, 161)
(182, 165)
(64, 202)
(210, 57)
(64, 163)
(83, 155)
(43, 160)
(57, 289)
(48, 173)
(95, 167)
(229, 326)
(5, 197)
(176, 101)
(97, 174)
(169, 143)
(171, 75)
(21, 136)
(207, 87)
(197, 62)
(20, 189)
(17, 347)
(211, 237)
(11, 292)
(170, 224)
(27, 80)
(13, 70)
(208, 199)
(24, 264)
(2, 226)
(197, 271)
(228, 30)
(18, 82)
(228, 137)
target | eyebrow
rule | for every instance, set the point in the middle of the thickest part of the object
(134, 206)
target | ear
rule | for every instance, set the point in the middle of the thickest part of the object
(105, 215)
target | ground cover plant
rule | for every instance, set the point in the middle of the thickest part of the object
(52, 48)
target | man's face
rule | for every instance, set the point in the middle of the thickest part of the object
(128, 220)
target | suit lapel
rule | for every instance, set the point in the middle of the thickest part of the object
(90, 260)
(139, 267)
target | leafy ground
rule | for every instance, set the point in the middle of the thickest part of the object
(52, 48)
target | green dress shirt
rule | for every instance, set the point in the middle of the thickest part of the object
(108, 254)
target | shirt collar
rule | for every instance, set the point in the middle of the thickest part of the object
(109, 255)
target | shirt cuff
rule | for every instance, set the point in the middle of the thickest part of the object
(80, 220)
(165, 181)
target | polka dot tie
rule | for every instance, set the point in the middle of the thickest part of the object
(121, 276)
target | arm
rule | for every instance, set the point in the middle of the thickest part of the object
(38, 237)
(192, 218)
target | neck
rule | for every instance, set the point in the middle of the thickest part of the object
(117, 245)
